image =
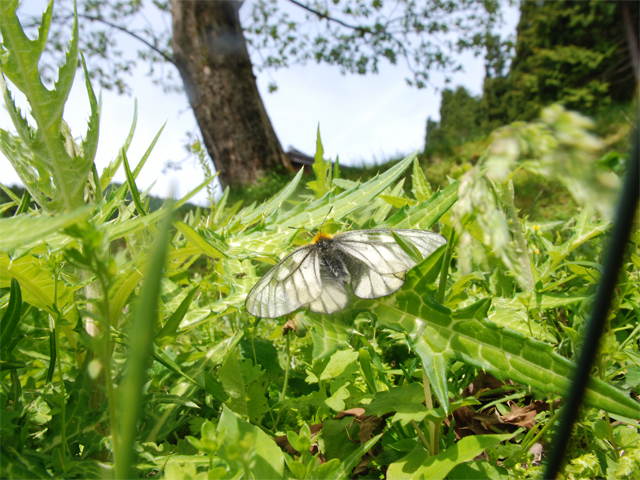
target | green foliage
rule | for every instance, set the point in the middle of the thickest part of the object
(51, 165)
(573, 53)
(413, 384)
(460, 119)
(355, 35)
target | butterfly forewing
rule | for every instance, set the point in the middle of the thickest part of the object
(291, 284)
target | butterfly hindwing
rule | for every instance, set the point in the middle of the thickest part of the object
(377, 264)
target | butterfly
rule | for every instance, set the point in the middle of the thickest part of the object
(316, 275)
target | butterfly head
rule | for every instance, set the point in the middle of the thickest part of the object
(322, 237)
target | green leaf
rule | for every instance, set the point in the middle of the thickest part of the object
(10, 194)
(269, 459)
(419, 183)
(479, 469)
(328, 335)
(341, 205)
(168, 333)
(140, 349)
(385, 207)
(467, 336)
(214, 387)
(13, 465)
(264, 353)
(25, 229)
(37, 285)
(23, 207)
(90, 142)
(52, 355)
(367, 372)
(426, 272)
(322, 170)
(435, 367)
(110, 170)
(344, 184)
(62, 166)
(408, 248)
(397, 202)
(425, 214)
(418, 464)
(336, 437)
(10, 319)
(341, 364)
(345, 468)
(203, 245)
(274, 204)
(397, 397)
(231, 378)
(135, 194)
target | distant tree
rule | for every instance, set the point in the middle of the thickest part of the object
(459, 121)
(209, 46)
(578, 53)
(496, 84)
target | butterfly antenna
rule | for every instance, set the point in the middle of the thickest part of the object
(325, 219)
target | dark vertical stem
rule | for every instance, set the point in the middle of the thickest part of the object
(632, 40)
(614, 257)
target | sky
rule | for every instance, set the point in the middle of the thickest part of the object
(363, 119)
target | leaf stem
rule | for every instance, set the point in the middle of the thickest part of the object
(107, 348)
(421, 435)
(286, 376)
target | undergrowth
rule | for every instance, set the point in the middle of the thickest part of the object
(126, 351)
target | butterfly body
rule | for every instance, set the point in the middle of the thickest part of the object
(317, 275)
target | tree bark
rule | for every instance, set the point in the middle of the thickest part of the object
(211, 54)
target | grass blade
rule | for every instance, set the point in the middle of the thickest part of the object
(141, 341)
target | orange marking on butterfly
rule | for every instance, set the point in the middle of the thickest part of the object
(322, 236)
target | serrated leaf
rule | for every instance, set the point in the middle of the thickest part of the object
(27, 229)
(425, 214)
(419, 183)
(322, 170)
(466, 335)
(194, 237)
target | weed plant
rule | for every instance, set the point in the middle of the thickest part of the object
(126, 351)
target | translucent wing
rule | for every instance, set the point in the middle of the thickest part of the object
(334, 296)
(294, 282)
(377, 264)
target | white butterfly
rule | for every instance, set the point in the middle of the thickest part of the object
(316, 275)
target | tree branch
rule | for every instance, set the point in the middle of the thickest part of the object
(168, 58)
(324, 16)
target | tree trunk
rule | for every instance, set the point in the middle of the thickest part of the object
(211, 54)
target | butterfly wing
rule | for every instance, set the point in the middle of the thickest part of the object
(334, 296)
(376, 263)
(294, 282)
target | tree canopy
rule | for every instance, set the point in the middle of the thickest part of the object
(579, 54)
(354, 35)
